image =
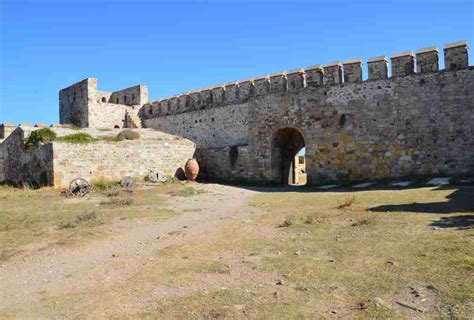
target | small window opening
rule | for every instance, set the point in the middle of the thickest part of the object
(116, 127)
(342, 120)
(103, 99)
(233, 155)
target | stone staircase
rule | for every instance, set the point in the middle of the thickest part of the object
(132, 121)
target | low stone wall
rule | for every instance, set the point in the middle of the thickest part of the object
(57, 163)
(115, 160)
(224, 164)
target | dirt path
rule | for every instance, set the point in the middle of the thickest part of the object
(106, 262)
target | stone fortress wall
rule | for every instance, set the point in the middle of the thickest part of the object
(417, 121)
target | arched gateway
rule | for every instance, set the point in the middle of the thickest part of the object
(287, 164)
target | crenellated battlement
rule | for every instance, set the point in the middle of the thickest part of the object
(403, 64)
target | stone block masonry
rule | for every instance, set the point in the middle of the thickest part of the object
(403, 64)
(74, 102)
(456, 56)
(211, 128)
(418, 125)
(414, 122)
(57, 163)
(82, 105)
(116, 160)
(427, 60)
(378, 68)
(228, 164)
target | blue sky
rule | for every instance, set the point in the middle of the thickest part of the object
(176, 46)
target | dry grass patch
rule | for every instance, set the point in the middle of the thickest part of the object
(289, 220)
(118, 202)
(375, 256)
(347, 203)
(187, 192)
(86, 218)
(43, 215)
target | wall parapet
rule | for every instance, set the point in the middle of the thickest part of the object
(427, 60)
(456, 55)
(336, 73)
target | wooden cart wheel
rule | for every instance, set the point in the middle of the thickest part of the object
(79, 187)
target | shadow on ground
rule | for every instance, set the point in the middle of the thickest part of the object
(465, 189)
(461, 200)
(460, 222)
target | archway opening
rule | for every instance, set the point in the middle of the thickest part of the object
(288, 157)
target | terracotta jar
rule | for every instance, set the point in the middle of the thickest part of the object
(191, 169)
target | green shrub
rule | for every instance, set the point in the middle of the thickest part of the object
(187, 192)
(77, 138)
(104, 185)
(39, 136)
(111, 138)
(71, 126)
(128, 135)
(48, 135)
